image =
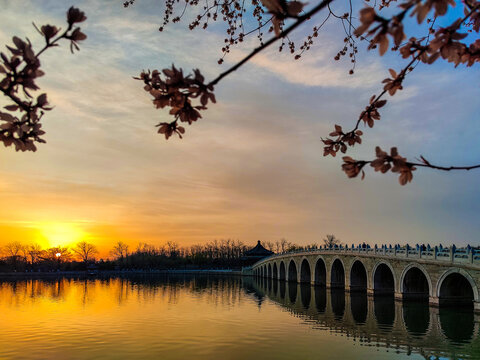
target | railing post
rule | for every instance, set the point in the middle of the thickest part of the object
(452, 253)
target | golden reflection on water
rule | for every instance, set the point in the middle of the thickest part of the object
(198, 317)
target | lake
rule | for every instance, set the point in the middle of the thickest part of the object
(221, 317)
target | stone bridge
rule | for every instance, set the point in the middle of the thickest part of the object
(403, 326)
(439, 275)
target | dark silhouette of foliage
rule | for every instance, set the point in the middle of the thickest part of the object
(21, 124)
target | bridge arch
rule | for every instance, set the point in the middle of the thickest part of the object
(292, 271)
(337, 273)
(292, 292)
(275, 271)
(305, 273)
(415, 282)
(383, 277)
(269, 271)
(358, 276)
(282, 275)
(456, 286)
(320, 272)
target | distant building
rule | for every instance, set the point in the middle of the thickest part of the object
(257, 253)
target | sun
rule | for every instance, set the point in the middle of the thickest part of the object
(61, 234)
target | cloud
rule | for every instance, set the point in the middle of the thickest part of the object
(252, 168)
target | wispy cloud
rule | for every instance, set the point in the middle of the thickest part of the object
(252, 168)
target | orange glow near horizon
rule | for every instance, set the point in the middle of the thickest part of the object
(61, 234)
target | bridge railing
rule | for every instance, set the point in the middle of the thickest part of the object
(464, 255)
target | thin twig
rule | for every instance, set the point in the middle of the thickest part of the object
(262, 47)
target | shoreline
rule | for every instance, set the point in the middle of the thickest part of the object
(117, 273)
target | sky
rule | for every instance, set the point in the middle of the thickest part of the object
(253, 167)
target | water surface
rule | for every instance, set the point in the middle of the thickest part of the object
(179, 317)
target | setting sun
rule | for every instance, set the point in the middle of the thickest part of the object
(61, 234)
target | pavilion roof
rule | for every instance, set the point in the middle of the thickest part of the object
(258, 250)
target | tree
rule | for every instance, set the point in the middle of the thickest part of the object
(56, 256)
(85, 251)
(34, 251)
(331, 241)
(120, 250)
(187, 95)
(14, 250)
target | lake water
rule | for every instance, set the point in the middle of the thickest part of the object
(200, 317)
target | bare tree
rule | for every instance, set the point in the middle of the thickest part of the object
(120, 250)
(34, 251)
(269, 245)
(13, 249)
(85, 251)
(331, 241)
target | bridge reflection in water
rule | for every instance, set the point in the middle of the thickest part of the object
(410, 326)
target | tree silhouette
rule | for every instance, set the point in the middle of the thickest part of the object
(331, 241)
(85, 251)
(21, 125)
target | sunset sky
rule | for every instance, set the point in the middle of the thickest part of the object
(253, 167)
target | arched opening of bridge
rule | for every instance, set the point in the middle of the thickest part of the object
(292, 271)
(359, 307)
(457, 323)
(269, 271)
(282, 290)
(264, 270)
(320, 273)
(275, 288)
(384, 310)
(338, 275)
(305, 295)
(415, 285)
(282, 271)
(358, 277)
(305, 272)
(338, 302)
(292, 292)
(456, 290)
(275, 271)
(320, 299)
(416, 316)
(383, 281)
